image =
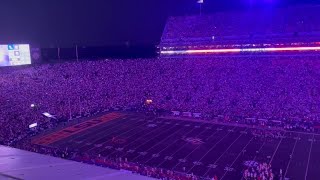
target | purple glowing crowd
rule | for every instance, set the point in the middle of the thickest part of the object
(280, 23)
(271, 88)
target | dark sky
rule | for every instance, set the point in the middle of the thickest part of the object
(49, 23)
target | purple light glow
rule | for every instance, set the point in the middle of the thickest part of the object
(210, 51)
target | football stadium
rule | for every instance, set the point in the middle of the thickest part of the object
(225, 92)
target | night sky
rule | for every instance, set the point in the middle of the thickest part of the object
(65, 23)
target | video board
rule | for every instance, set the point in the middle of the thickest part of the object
(15, 54)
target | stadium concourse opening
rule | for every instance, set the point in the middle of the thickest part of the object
(231, 95)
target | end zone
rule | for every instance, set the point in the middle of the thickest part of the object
(69, 131)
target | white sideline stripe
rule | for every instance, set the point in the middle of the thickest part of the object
(141, 137)
(159, 142)
(224, 153)
(275, 150)
(196, 147)
(294, 147)
(232, 125)
(211, 149)
(193, 128)
(172, 154)
(207, 139)
(306, 175)
(264, 142)
(237, 157)
(172, 127)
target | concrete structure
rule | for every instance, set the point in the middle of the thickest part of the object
(19, 164)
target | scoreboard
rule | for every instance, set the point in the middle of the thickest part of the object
(15, 54)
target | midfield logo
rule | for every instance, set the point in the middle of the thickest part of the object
(193, 140)
(118, 140)
(152, 125)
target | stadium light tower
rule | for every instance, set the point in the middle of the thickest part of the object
(200, 2)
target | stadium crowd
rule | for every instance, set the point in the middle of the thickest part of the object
(281, 23)
(239, 89)
(279, 88)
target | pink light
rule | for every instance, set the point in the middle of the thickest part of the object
(200, 51)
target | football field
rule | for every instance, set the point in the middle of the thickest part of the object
(204, 149)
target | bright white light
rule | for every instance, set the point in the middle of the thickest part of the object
(148, 101)
(200, 1)
(32, 105)
(48, 115)
(33, 125)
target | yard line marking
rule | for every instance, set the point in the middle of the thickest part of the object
(140, 137)
(180, 129)
(276, 150)
(264, 142)
(211, 149)
(121, 134)
(237, 157)
(306, 175)
(193, 128)
(112, 129)
(196, 148)
(231, 124)
(102, 131)
(163, 132)
(294, 147)
(221, 154)
(178, 150)
(76, 129)
(157, 128)
(116, 123)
